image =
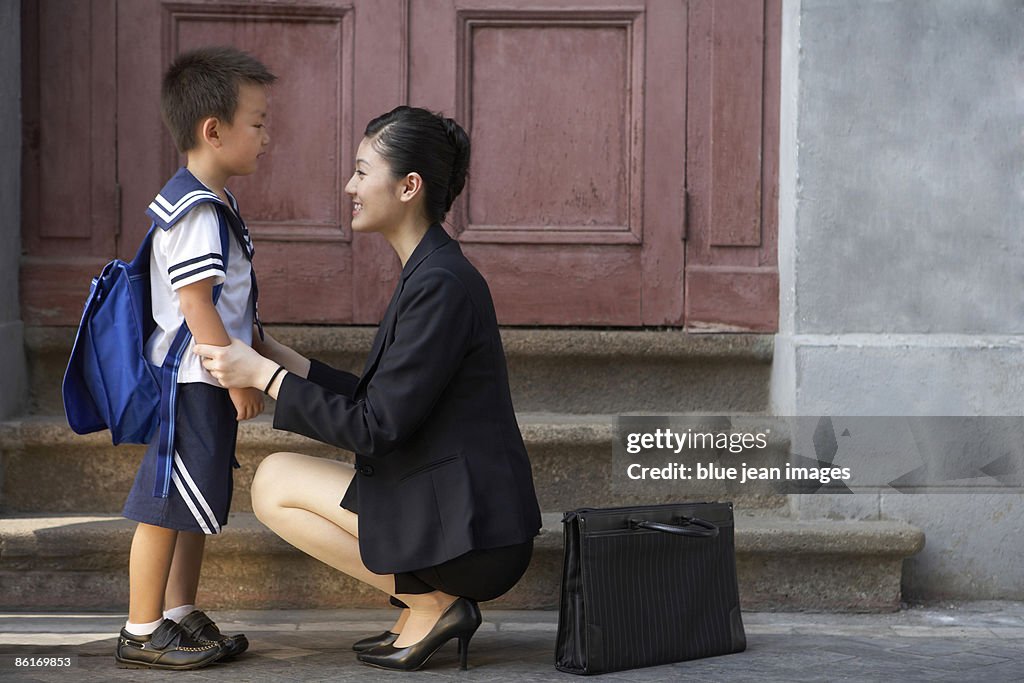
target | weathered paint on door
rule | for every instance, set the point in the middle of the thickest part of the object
(731, 277)
(574, 209)
(623, 165)
(308, 261)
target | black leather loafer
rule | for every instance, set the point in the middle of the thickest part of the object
(168, 647)
(201, 627)
(385, 638)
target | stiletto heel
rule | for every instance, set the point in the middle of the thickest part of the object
(460, 621)
(464, 652)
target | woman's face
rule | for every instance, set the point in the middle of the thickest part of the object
(375, 192)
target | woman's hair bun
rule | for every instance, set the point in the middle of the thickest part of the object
(460, 163)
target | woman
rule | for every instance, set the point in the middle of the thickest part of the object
(440, 510)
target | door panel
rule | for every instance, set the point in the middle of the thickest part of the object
(69, 180)
(624, 167)
(732, 279)
(294, 204)
(555, 103)
(541, 202)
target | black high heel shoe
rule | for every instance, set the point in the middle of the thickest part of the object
(365, 644)
(460, 620)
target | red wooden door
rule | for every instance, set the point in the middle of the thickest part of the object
(624, 153)
(574, 206)
(310, 267)
(69, 162)
(624, 166)
(732, 280)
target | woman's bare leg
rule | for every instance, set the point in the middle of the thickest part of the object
(403, 617)
(297, 497)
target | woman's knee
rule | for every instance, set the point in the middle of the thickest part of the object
(294, 480)
(267, 483)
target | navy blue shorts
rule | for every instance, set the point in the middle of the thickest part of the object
(201, 481)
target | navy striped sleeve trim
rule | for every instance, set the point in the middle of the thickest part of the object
(212, 269)
(197, 259)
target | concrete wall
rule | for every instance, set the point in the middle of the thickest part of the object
(12, 351)
(901, 251)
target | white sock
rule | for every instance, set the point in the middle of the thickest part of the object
(141, 629)
(176, 614)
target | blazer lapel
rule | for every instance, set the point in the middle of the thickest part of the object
(387, 326)
(434, 239)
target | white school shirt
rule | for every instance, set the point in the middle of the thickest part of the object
(187, 253)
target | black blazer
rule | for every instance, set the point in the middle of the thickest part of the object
(441, 468)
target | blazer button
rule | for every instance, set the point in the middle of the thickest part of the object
(366, 470)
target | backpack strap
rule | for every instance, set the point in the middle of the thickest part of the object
(169, 375)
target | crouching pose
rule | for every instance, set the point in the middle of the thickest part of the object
(439, 511)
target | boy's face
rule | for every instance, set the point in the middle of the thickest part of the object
(245, 139)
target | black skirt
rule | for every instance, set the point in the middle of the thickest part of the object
(481, 574)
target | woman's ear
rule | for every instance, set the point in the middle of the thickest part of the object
(209, 132)
(410, 187)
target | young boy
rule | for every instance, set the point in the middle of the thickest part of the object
(214, 102)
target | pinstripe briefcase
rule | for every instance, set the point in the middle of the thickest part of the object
(647, 585)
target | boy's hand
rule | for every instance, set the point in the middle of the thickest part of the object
(266, 347)
(282, 354)
(248, 402)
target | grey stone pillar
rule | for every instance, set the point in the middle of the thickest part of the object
(901, 249)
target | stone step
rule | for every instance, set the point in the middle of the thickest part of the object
(561, 371)
(79, 562)
(46, 468)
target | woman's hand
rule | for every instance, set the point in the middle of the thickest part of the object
(236, 365)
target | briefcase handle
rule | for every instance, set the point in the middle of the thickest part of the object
(707, 530)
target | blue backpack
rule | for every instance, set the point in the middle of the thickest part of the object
(109, 383)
